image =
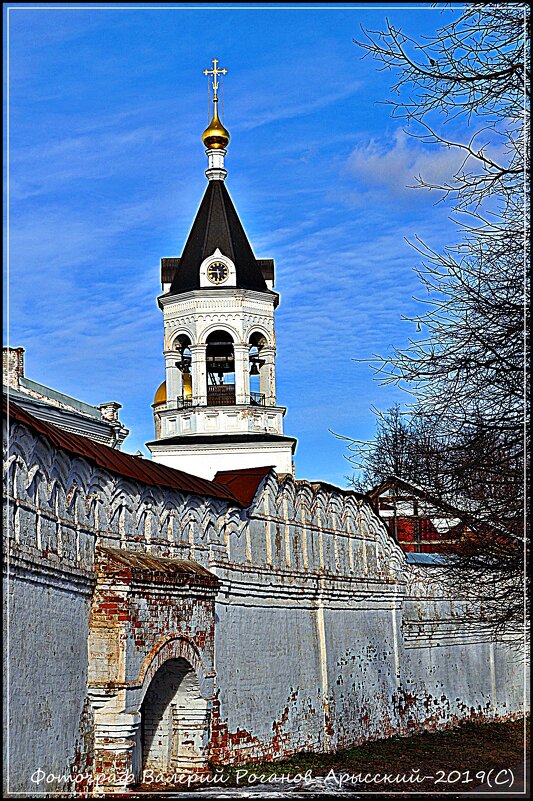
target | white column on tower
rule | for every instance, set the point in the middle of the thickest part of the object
(199, 374)
(267, 375)
(242, 373)
(173, 376)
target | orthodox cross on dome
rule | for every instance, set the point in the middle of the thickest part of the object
(215, 72)
(215, 137)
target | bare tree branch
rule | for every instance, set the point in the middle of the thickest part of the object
(464, 435)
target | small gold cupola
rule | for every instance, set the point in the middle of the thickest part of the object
(161, 394)
(215, 137)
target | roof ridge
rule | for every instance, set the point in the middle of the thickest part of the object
(204, 240)
(228, 227)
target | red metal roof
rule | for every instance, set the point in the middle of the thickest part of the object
(243, 483)
(426, 538)
(124, 464)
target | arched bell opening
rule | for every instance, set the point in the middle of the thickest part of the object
(174, 721)
(220, 364)
(182, 345)
(256, 369)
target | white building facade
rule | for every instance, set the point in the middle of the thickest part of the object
(99, 423)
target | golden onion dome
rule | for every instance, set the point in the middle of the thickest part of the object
(161, 394)
(215, 135)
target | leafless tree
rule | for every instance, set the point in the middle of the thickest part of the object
(405, 446)
(464, 435)
(476, 69)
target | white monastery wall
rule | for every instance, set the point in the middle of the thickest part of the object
(48, 583)
(319, 635)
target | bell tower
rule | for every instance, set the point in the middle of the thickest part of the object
(217, 407)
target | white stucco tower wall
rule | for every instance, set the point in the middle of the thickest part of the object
(246, 433)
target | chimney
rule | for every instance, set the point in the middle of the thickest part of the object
(13, 366)
(109, 411)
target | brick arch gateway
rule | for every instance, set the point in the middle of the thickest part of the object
(151, 665)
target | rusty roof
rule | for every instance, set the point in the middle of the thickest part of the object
(243, 483)
(140, 563)
(134, 467)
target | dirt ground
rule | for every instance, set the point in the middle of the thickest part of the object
(456, 761)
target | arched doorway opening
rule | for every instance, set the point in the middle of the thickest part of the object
(182, 345)
(258, 374)
(220, 363)
(174, 721)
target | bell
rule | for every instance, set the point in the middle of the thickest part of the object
(254, 370)
(184, 366)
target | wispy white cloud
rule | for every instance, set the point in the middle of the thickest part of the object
(278, 107)
(43, 169)
(395, 168)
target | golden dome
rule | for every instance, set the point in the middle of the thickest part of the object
(215, 135)
(161, 394)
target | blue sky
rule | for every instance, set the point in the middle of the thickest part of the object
(106, 110)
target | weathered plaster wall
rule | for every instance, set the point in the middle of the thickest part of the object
(319, 635)
(57, 508)
(48, 582)
(323, 596)
(451, 668)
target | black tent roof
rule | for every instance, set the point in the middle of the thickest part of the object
(217, 225)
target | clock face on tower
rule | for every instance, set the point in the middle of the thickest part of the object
(217, 272)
